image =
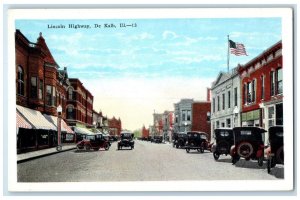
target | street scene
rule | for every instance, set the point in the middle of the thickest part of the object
(149, 100)
(162, 163)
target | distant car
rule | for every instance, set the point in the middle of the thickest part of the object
(197, 141)
(94, 142)
(179, 139)
(126, 140)
(157, 139)
(224, 140)
(248, 144)
(275, 153)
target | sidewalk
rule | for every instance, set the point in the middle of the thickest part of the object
(42, 153)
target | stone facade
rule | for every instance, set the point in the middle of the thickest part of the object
(226, 100)
(183, 115)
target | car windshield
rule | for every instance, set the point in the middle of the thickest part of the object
(90, 137)
(126, 136)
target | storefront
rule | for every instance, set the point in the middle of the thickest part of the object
(252, 118)
(81, 132)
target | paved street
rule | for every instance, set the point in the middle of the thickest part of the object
(147, 162)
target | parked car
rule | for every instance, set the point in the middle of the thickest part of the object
(248, 144)
(179, 139)
(157, 139)
(126, 140)
(275, 153)
(223, 141)
(197, 141)
(95, 141)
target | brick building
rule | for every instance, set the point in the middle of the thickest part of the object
(115, 126)
(79, 104)
(262, 89)
(145, 132)
(201, 117)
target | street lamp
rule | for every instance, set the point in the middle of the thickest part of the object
(59, 111)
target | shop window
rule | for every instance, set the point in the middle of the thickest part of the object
(21, 84)
(279, 81)
(33, 87)
(271, 116)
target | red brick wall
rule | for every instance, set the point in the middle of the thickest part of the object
(199, 120)
(145, 132)
(114, 123)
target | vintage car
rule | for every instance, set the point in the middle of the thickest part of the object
(275, 153)
(248, 144)
(108, 138)
(197, 141)
(157, 139)
(223, 141)
(95, 141)
(179, 139)
(126, 140)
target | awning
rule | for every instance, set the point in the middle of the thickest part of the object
(21, 122)
(64, 126)
(35, 118)
(81, 130)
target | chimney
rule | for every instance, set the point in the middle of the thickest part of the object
(208, 94)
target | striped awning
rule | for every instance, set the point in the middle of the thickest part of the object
(64, 126)
(35, 118)
(82, 130)
(21, 122)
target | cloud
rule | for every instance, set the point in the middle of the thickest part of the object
(169, 35)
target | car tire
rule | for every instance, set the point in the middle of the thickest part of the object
(245, 149)
(87, 147)
(187, 150)
(177, 146)
(216, 155)
(106, 147)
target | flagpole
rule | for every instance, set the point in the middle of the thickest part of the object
(228, 56)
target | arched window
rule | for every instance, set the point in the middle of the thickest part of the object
(20, 86)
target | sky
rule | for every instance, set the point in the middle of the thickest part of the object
(137, 70)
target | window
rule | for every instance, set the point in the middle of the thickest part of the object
(21, 85)
(214, 105)
(245, 93)
(279, 81)
(272, 82)
(249, 92)
(70, 113)
(33, 87)
(229, 99)
(271, 116)
(207, 116)
(188, 115)
(262, 87)
(253, 91)
(176, 118)
(218, 103)
(183, 115)
(228, 122)
(223, 101)
(218, 124)
(50, 95)
(235, 96)
(41, 88)
(70, 91)
(279, 114)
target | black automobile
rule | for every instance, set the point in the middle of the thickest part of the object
(248, 144)
(126, 140)
(157, 139)
(223, 141)
(197, 141)
(275, 153)
(179, 139)
(94, 141)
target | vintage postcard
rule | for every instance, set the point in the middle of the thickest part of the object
(151, 99)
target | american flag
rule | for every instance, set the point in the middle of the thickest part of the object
(237, 49)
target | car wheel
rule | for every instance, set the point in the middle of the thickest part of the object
(106, 147)
(187, 150)
(245, 149)
(87, 147)
(216, 155)
(131, 147)
(177, 146)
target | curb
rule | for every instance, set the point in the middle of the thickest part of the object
(43, 155)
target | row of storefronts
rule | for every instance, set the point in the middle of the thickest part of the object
(250, 94)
